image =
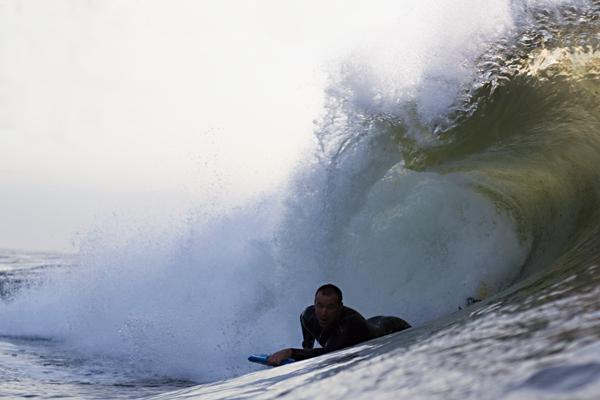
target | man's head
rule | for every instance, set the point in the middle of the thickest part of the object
(328, 305)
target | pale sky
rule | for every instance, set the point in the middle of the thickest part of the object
(152, 107)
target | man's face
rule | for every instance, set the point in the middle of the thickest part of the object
(327, 309)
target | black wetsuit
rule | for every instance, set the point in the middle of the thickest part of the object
(351, 329)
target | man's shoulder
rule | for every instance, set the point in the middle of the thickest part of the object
(350, 315)
(308, 313)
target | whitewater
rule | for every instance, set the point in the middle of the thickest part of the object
(453, 181)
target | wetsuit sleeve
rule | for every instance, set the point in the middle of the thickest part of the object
(303, 354)
(308, 340)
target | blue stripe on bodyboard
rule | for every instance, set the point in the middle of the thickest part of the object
(262, 359)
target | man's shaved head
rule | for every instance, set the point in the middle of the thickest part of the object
(329, 290)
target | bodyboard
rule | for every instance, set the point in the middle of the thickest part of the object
(262, 359)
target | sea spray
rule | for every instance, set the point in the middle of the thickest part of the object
(188, 308)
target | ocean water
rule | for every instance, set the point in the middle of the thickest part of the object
(451, 163)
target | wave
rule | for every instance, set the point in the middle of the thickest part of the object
(528, 139)
(449, 169)
(523, 135)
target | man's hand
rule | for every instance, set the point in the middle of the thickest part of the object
(276, 358)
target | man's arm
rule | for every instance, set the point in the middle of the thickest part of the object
(296, 354)
(276, 358)
(303, 354)
(308, 340)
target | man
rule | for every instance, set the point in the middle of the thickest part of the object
(335, 327)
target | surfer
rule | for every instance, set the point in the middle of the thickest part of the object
(335, 327)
